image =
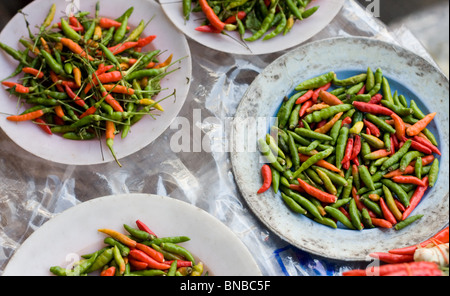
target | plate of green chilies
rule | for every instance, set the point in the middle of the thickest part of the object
(251, 27)
(136, 221)
(103, 80)
(351, 156)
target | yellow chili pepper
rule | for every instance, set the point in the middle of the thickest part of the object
(97, 33)
(150, 102)
(357, 127)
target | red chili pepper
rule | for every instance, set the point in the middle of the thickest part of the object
(159, 257)
(372, 108)
(151, 263)
(383, 223)
(356, 147)
(420, 147)
(347, 120)
(137, 265)
(296, 187)
(362, 90)
(232, 19)
(399, 205)
(108, 272)
(107, 23)
(317, 193)
(321, 123)
(119, 48)
(79, 101)
(400, 128)
(387, 214)
(266, 173)
(305, 97)
(387, 269)
(376, 99)
(73, 21)
(374, 130)
(416, 197)
(108, 77)
(112, 101)
(142, 226)
(416, 272)
(89, 111)
(304, 107)
(145, 41)
(180, 263)
(43, 125)
(77, 29)
(427, 143)
(18, 87)
(213, 18)
(317, 91)
(392, 258)
(34, 72)
(344, 211)
(348, 150)
(394, 144)
(408, 180)
(55, 80)
(441, 237)
(27, 116)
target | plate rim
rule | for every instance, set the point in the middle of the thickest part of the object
(233, 154)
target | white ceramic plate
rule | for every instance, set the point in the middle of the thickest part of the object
(74, 232)
(302, 30)
(410, 74)
(55, 148)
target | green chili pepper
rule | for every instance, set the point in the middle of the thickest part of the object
(303, 202)
(293, 152)
(17, 55)
(102, 259)
(408, 157)
(143, 73)
(108, 35)
(370, 80)
(402, 224)
(387, 94)
(312, 160)
(340, 145)
(340, 202)
(380, 123)
(79, 136)
(265, 24)
(52, 63)
(307, 13)
(327, 221)
(354, 214)
(365, 176)
(275, 179)
(326, 113)
(148, 272)
(173, 248)
(418, 167)
(137, 233)
(120, 31)
(267, 153)
(400, 110)
(294, 117)
(312, 134)
(329, 186)
(334, 132)
(367, 221)
(49, 18)
(371, 205)
(373, 141)
(69, 32)
(124, 250)
(338, 215)
(351, 80)
(90, 31)
(173, 268)
(399, 192)
(294, 206)
(397, 155)
(313, 176)
(316, 82)
(433, 174)
(335, 178)
(348, 188)
(134, 35)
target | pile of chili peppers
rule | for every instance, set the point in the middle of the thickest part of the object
(351, 151)
(263, 18)
(402, 261)
(87, 77)
(138, 253)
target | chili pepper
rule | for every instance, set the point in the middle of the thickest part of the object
(327, 182)
(151, 263)
(433, 174)
(402, 224)
(338, 215)
(37, 73)
(408, 179)
(348, 151)
(329, 98)
(52, 63)
(265, 23)
(176, 249)
(19, 88)
(305, 97)
(208, 29)
(43, 125)
(165, 63)
(441, 237)
(293, 152)
(75, 48)
(372, 127)
(119, 236)
(14, 54)
(267, 177)
(312, 160)
(29, 116)
(110, 135)
(397, 156)
(372, 108)
(317, 193)
(427, 143)
(119, 259)
(351, 80)
(387, 214)
(101, 260)
(107, 23)
(391, 204)
(281, 26)
(399, 192)
(340, 146)
(416, 198)
(315, 82)
(305, 107)
(417, 127)
(329, 125)
(381, 223)
(322, 163)
(69, 32)
(373, 141)
(213, 18)
(312, 134)
(386, 269)
(326, 113)
(79, 101)
(124, 250)
(142, 226)
(158, 256)
(110, 271)
(292, 204)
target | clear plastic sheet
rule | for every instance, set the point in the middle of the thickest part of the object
(32, 190)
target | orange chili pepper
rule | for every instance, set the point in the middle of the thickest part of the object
(417, 127)
(325, 128)
(119, 89)
(165, 63)
(32, 71)
(77, 76)
(329, 98)
(119, 236)
(75, 48)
